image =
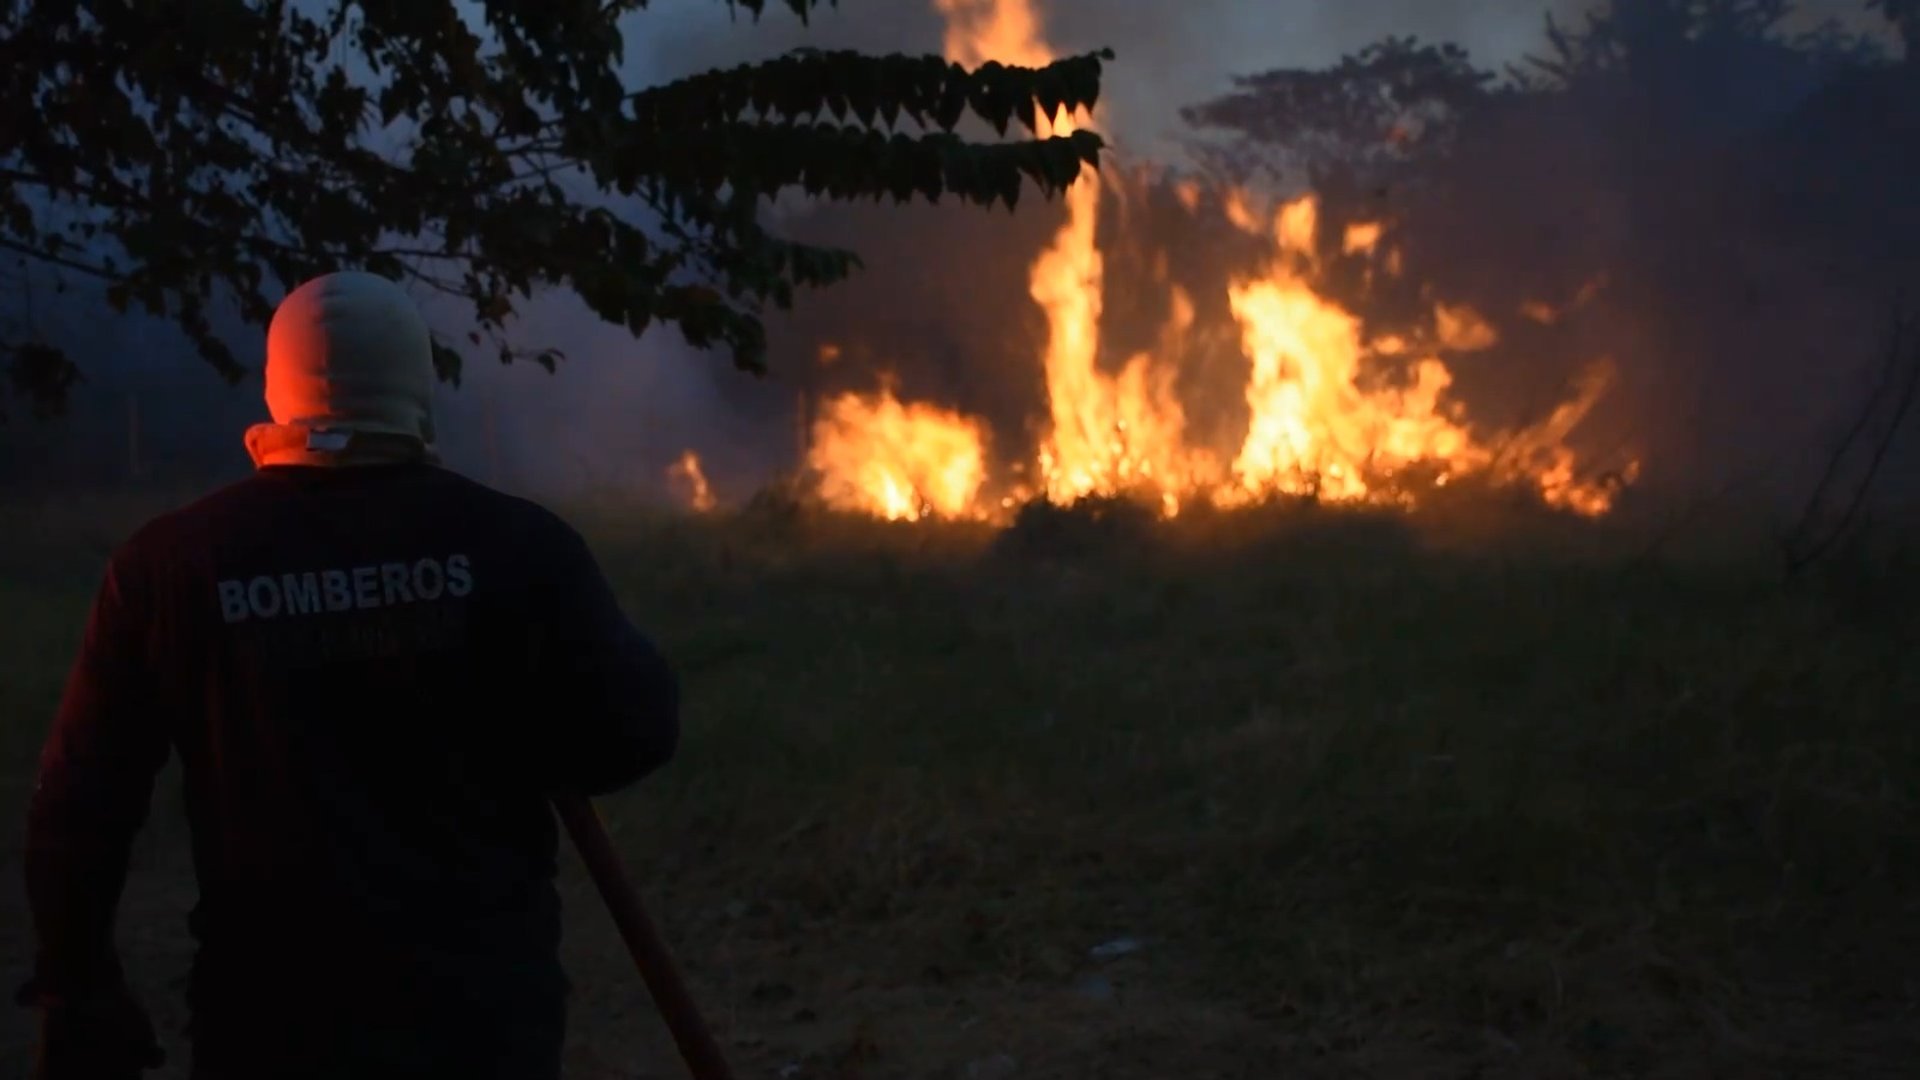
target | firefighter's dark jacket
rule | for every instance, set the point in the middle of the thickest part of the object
(376, 679)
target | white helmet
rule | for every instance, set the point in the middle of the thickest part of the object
(349, 352)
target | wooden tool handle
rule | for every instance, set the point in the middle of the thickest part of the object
(657, 967)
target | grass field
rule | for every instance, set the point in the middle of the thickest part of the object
(1488, 802)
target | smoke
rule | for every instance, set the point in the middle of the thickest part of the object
(942, 306)
(608, 420)
(1168, 53)
(1742, 302)
(1739, 200)
(942, 301)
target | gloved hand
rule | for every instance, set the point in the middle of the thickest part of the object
(101, 1037)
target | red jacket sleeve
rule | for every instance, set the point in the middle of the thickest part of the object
(92, 791)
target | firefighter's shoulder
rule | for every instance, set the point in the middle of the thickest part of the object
(175, 536)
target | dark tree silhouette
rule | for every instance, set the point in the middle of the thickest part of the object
(1905, 16)
(1838, 501)
(1710, 192)
(1384, 112)
(187, 154)
(1368, 112)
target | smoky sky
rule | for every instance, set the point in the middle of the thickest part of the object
(619, 409)
(943, 294)
(1169, 53)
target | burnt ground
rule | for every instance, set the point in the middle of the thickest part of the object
(1352, 807)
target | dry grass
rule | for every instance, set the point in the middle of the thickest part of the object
(1374, 803)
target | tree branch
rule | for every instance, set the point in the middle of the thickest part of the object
(1806, 543)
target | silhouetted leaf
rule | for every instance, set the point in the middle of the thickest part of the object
(256, 160)
(42, 375)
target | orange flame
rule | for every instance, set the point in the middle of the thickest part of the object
(1362, 237)
(1312, 428)
(1321, 419)
(902, 462)
(1315, 430)
(1107, 433)
(689, 480)
(1548, 314)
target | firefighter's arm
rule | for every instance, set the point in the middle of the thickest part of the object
(90, 798)
(611, 698)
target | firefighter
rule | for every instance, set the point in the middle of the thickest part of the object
(377, 674)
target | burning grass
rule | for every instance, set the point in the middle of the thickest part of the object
(1333, 402)
(1335, 408)
(1372, 799)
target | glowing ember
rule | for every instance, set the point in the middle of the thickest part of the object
(1462, 329)
(1362, 237)
(902, 462)
(1547, 314)
(689, 481)
(1242, 215)
(1326, 417)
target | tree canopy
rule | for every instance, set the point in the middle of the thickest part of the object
(1714, 194)
(1905, 15)
(1390, 108)
(186, 154)
(1364, 110)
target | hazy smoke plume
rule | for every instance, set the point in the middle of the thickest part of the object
(1721, 370)
(1723, 374)
(943, 305)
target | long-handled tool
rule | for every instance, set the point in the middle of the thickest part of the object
(650, 954)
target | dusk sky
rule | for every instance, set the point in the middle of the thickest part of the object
(623, 406)
(1171, 52)
(619, 405)
(658, 394)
